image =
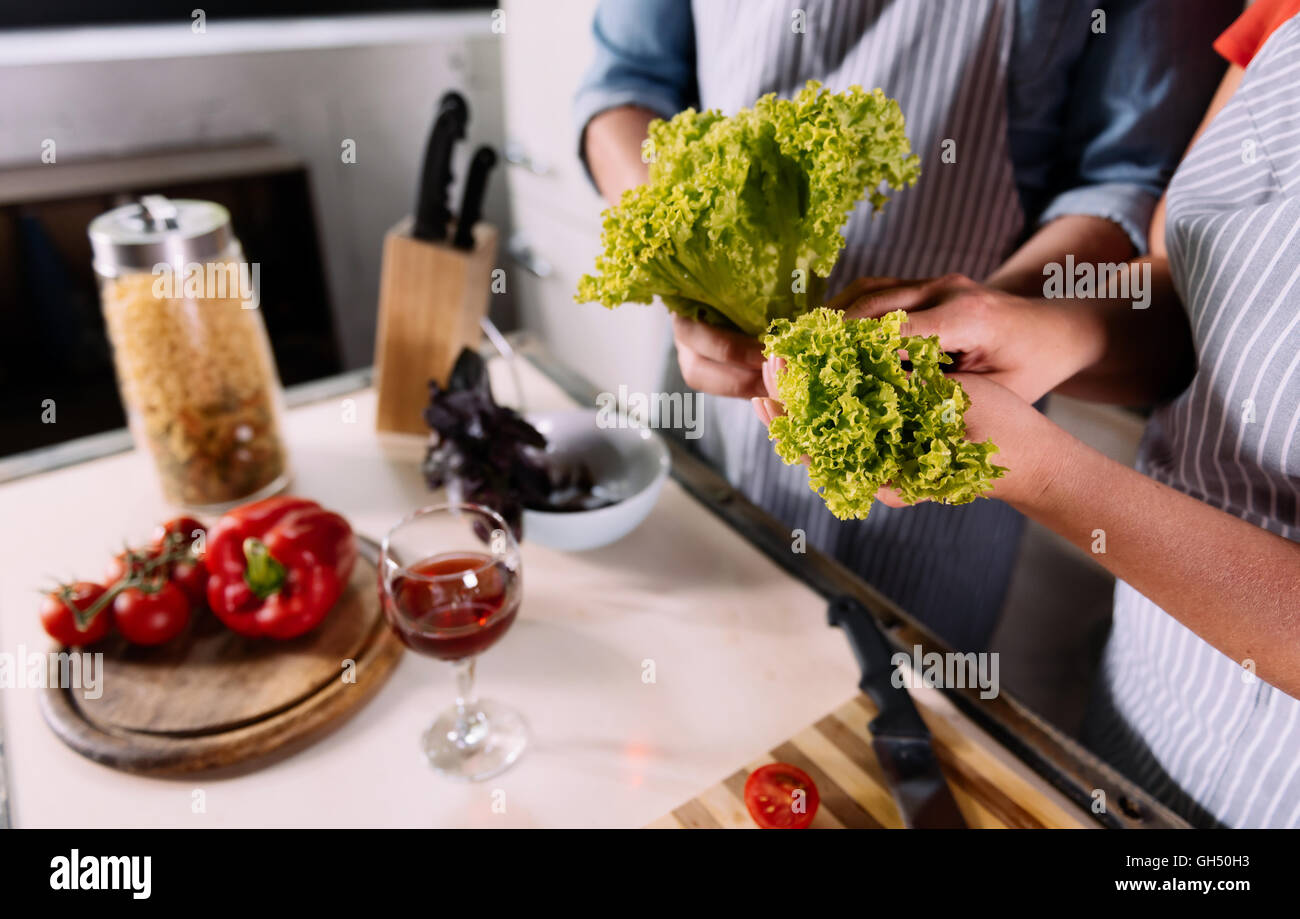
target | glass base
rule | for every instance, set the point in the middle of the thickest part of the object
(496, 737)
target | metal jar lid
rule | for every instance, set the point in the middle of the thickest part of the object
(155, 230)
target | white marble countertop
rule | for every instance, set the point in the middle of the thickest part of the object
(743, 659)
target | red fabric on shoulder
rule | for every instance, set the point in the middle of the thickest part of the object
(1242, 40)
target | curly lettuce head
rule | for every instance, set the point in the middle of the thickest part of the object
(863, 420)
(740, 221)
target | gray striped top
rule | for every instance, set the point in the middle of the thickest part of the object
(1195, 727)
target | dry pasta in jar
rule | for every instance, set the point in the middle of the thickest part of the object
(197, 377)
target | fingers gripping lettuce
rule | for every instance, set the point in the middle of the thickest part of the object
(863, 420)
(739, 223)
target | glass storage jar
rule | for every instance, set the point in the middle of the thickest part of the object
(193, 361)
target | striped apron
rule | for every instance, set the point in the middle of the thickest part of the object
(1190, 724)
(945, 61)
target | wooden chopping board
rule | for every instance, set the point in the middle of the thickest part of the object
(992, 788)
(214, 699)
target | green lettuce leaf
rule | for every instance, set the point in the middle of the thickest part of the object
(740, 221)
(863, 420)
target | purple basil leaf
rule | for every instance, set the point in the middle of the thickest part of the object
(482, 452)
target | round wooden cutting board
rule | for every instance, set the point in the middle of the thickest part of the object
(214, 699)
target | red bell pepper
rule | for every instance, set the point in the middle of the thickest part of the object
(277, 566)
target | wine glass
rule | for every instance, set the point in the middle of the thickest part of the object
(450, 580)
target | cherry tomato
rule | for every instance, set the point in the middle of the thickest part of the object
(151, 615)
(60, 621)
(118, 567)
(191, 576)
(781, 797)
(186, 527)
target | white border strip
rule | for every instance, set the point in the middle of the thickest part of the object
(82, 44)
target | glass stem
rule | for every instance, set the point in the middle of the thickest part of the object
(467, 715)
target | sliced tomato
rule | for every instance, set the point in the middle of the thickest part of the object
(781, 797)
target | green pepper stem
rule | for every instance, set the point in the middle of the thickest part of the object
(264, 575)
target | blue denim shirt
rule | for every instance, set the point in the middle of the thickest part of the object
(1096, 123)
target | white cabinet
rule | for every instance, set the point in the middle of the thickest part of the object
(625, 346)
(555, 212)
(547, 49)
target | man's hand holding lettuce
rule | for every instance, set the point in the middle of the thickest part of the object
(740, 221)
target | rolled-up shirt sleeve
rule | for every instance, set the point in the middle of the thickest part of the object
(1136, 96)
(644, 56)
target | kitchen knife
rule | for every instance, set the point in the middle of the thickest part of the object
(431, 212)
(454, 102)
(471, 202)
(898, 735)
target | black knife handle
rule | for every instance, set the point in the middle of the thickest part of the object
(471, 201)
(897, 715)
(455, 103)
(431, 211)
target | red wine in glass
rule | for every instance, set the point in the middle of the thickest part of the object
(450, 581)
(452, 606)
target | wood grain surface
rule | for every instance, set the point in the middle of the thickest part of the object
(214, 699)
(431, 299)
(992, 789)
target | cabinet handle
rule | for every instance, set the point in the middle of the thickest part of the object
(517, 155)
(522, 252)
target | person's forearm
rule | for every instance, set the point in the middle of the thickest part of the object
(1128, 356)
(1087, 238)
(612, 144)
(1142, 356)
(1235, 585)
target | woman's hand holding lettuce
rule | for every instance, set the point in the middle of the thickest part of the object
(1029, 346)
(860, 420)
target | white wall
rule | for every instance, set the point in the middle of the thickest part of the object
(310, 84)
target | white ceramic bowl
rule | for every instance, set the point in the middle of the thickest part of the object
(629, 465)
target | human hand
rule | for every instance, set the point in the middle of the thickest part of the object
(1028, 346)
(1030, 447)
(718, 361)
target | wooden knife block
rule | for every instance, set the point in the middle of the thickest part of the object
(432, 298)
